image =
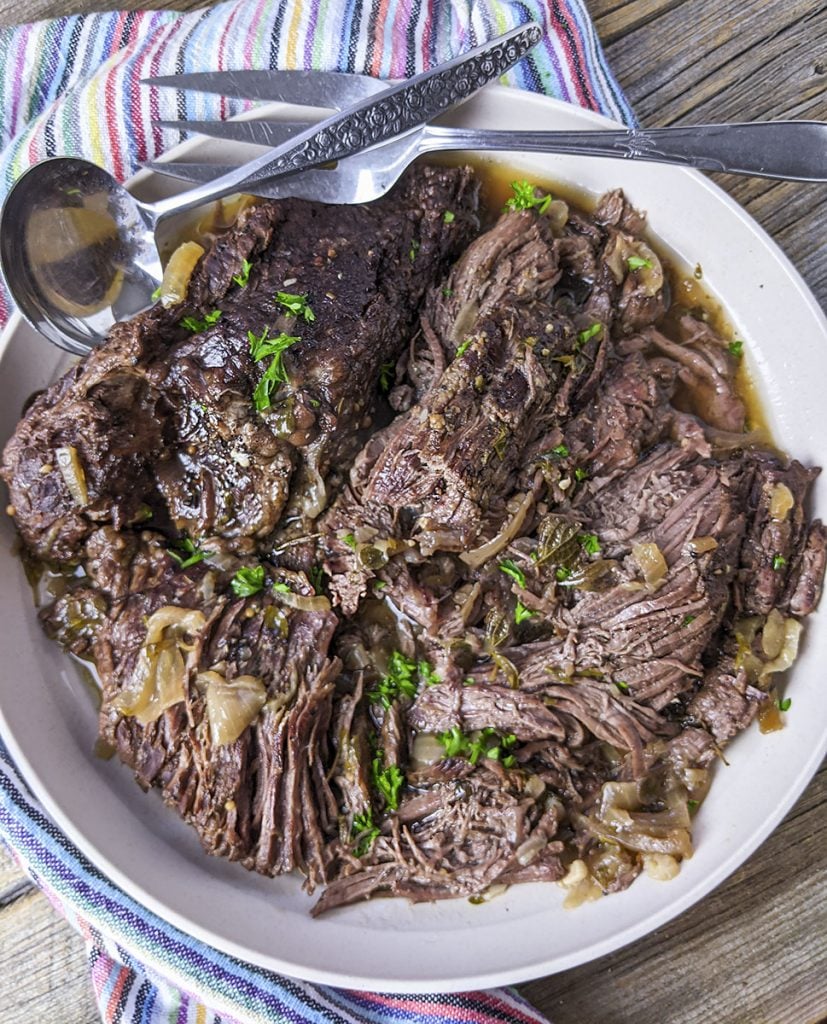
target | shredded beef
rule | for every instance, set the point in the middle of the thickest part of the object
(482, 591)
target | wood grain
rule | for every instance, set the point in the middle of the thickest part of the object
(43, 975)
(755, 950)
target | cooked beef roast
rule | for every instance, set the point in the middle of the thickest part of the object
(423, 560)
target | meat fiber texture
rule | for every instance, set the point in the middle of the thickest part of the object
(522, 568)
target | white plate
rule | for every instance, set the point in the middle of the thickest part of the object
(48, 720)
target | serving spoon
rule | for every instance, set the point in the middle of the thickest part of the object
(79, 252)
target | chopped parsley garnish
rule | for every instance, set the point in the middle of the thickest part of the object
(364, 832)
(522, 614)
(562, 573)
(387, 780)
(638, 263)
(589, 543)
(449, 217)
(386, 376)
(692, 805)
(778, 562)
(588, 334)
(561, 451)
(186, 553)
(316, 577)
(427, 674)
(463, 348)
(414, 249)
(581, 474)
(488, 743)
(262, 347)
(736, 348)
(784, 705)
(447, 292)
(399, 681)
(525, 198)
(402, 679)
(623, 687)
(243, 276)
(248, 580)
(195, 325)
(379, 584)
(282, 588)
(687, 620)
(510, 568)
(157, 293)
(350, 540)
(296, 305)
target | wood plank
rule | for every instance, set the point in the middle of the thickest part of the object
(753, 951)
(43, 973)
(13, 881)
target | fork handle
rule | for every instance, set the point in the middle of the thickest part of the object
(788, 150)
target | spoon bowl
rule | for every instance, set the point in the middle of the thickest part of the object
(78, 251)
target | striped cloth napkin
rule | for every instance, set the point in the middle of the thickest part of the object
(71, 87)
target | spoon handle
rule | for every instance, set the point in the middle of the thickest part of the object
(788, 150)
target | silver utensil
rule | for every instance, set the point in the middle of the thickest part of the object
(787, 150)
(88, 255)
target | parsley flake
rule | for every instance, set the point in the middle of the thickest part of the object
(581, 474)
(398, 681)
(282, 588)
(387, 780)
(195, 325)
(561, 451)
(463, 348)
(562, 573)
(736, 348)
(638, 263)
(186, 553)
(296, 305)
(364, 832)
(248, 580)
(510, 568)
(784, 705)
(387, 373)
(449, 217)
(778, 562)
(525, 198)
(590, 543)
(350, 540)
(688, 620)
(588, 334)
(243, 276)
(316, 577)
(522, 614)
(157, 293)
(261, 347)
(623, 687)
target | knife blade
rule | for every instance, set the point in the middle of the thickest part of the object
(395, 111)
(335, 90)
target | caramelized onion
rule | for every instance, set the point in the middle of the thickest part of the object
(789, 649)
(480, 555)
(177, 273)
(160, 676)
(303, 602)
(231, 704)
(651, 561)
(781, 501)
(73, 475)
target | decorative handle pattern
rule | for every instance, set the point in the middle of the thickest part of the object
(393, 112)
(405, 106)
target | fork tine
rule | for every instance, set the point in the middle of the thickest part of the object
(330, 89)
(197, 174)
(262, 133)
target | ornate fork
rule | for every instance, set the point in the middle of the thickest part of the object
(788, 150)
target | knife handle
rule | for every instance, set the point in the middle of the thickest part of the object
(408, 105)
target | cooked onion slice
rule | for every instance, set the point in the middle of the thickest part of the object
(160, 676)
(480, 555)
(651, 561)
(73, 475)
(231, 704)
(177, 273)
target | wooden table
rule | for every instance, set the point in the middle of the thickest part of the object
(755, 951)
